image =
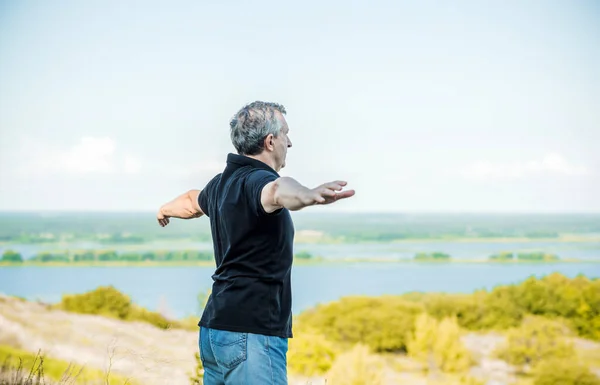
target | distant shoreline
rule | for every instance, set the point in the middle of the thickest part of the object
(320, 262)
(322, 240)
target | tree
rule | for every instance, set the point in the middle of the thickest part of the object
(12, 257)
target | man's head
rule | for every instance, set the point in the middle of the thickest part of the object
(260, 130)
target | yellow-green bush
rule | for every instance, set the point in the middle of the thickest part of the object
(54, 369)
(108, 301)
(310, 353)
(536, 340)
(439, 344)
(357, 366)
(197, 378)
(564, 372)
(379, 322)
(553, 296)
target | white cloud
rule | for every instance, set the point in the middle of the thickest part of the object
(88, 156)
(550, 164)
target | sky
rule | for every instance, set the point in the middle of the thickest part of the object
(422, 106)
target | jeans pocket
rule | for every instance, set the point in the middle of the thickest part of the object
(229, 348)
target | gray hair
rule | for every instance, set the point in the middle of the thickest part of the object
(251, 125)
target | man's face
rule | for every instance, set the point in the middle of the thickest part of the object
(282, 142)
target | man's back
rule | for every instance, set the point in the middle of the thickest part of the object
(253, 252)
(247, 321)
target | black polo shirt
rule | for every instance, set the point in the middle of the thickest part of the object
(253, 250)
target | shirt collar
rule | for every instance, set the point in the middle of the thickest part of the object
(242, 161)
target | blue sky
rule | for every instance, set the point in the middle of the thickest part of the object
(421, 106)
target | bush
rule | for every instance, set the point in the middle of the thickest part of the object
(564, 372)
(439, 344)
(310, 353)
(108, 301)
(503, 256)
(11, 256)
(356, 367)
(303, 255)
(557, 296)
(437, 256)
(105, 300)
(198, 377)
(536, 340)
(378, 322)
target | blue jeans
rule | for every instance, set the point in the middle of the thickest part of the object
(234, 358)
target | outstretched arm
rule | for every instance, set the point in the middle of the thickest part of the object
(185, 206)
(289, 193)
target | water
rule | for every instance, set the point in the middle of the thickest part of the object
(174, 290)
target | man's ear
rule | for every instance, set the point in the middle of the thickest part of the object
(269, 145)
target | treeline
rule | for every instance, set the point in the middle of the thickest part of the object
(504, 256)
(110, 256)
(87, 256)
(537, 256)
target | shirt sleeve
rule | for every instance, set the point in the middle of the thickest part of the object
(204, 196)
(255, 182)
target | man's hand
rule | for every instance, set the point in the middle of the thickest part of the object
(287, 192)
(326, 193)
(185, 206)
(163, 220)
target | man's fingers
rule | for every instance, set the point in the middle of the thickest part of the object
(345, 194)
(336, 186)
(327, 192)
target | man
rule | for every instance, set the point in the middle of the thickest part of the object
(247, 321)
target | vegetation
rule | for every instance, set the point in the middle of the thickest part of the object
(534, 257)
(438, 344)
(137, 228)
(311, 353)
(356, 367)
(76, 256)
(108, 301)
(437, 256)
(535, 341)
(11, 257)
(540, 316)
(564, 372)
(198, 376)
(24, 368)
(378, 322)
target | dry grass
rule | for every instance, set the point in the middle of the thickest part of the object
(131, 349)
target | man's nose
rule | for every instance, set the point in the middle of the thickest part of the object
(289, 143)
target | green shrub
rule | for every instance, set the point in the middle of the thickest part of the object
(108, 301)
(12, 257)
(357, 366)
(439, 344)
(310, 353)
(564, 372)
(554, 296)
(536, 340)
(105, 300)
(379, 322)
(503, 256)
(537, 257)
(436, 256)
(198, 376)
(303, 255)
